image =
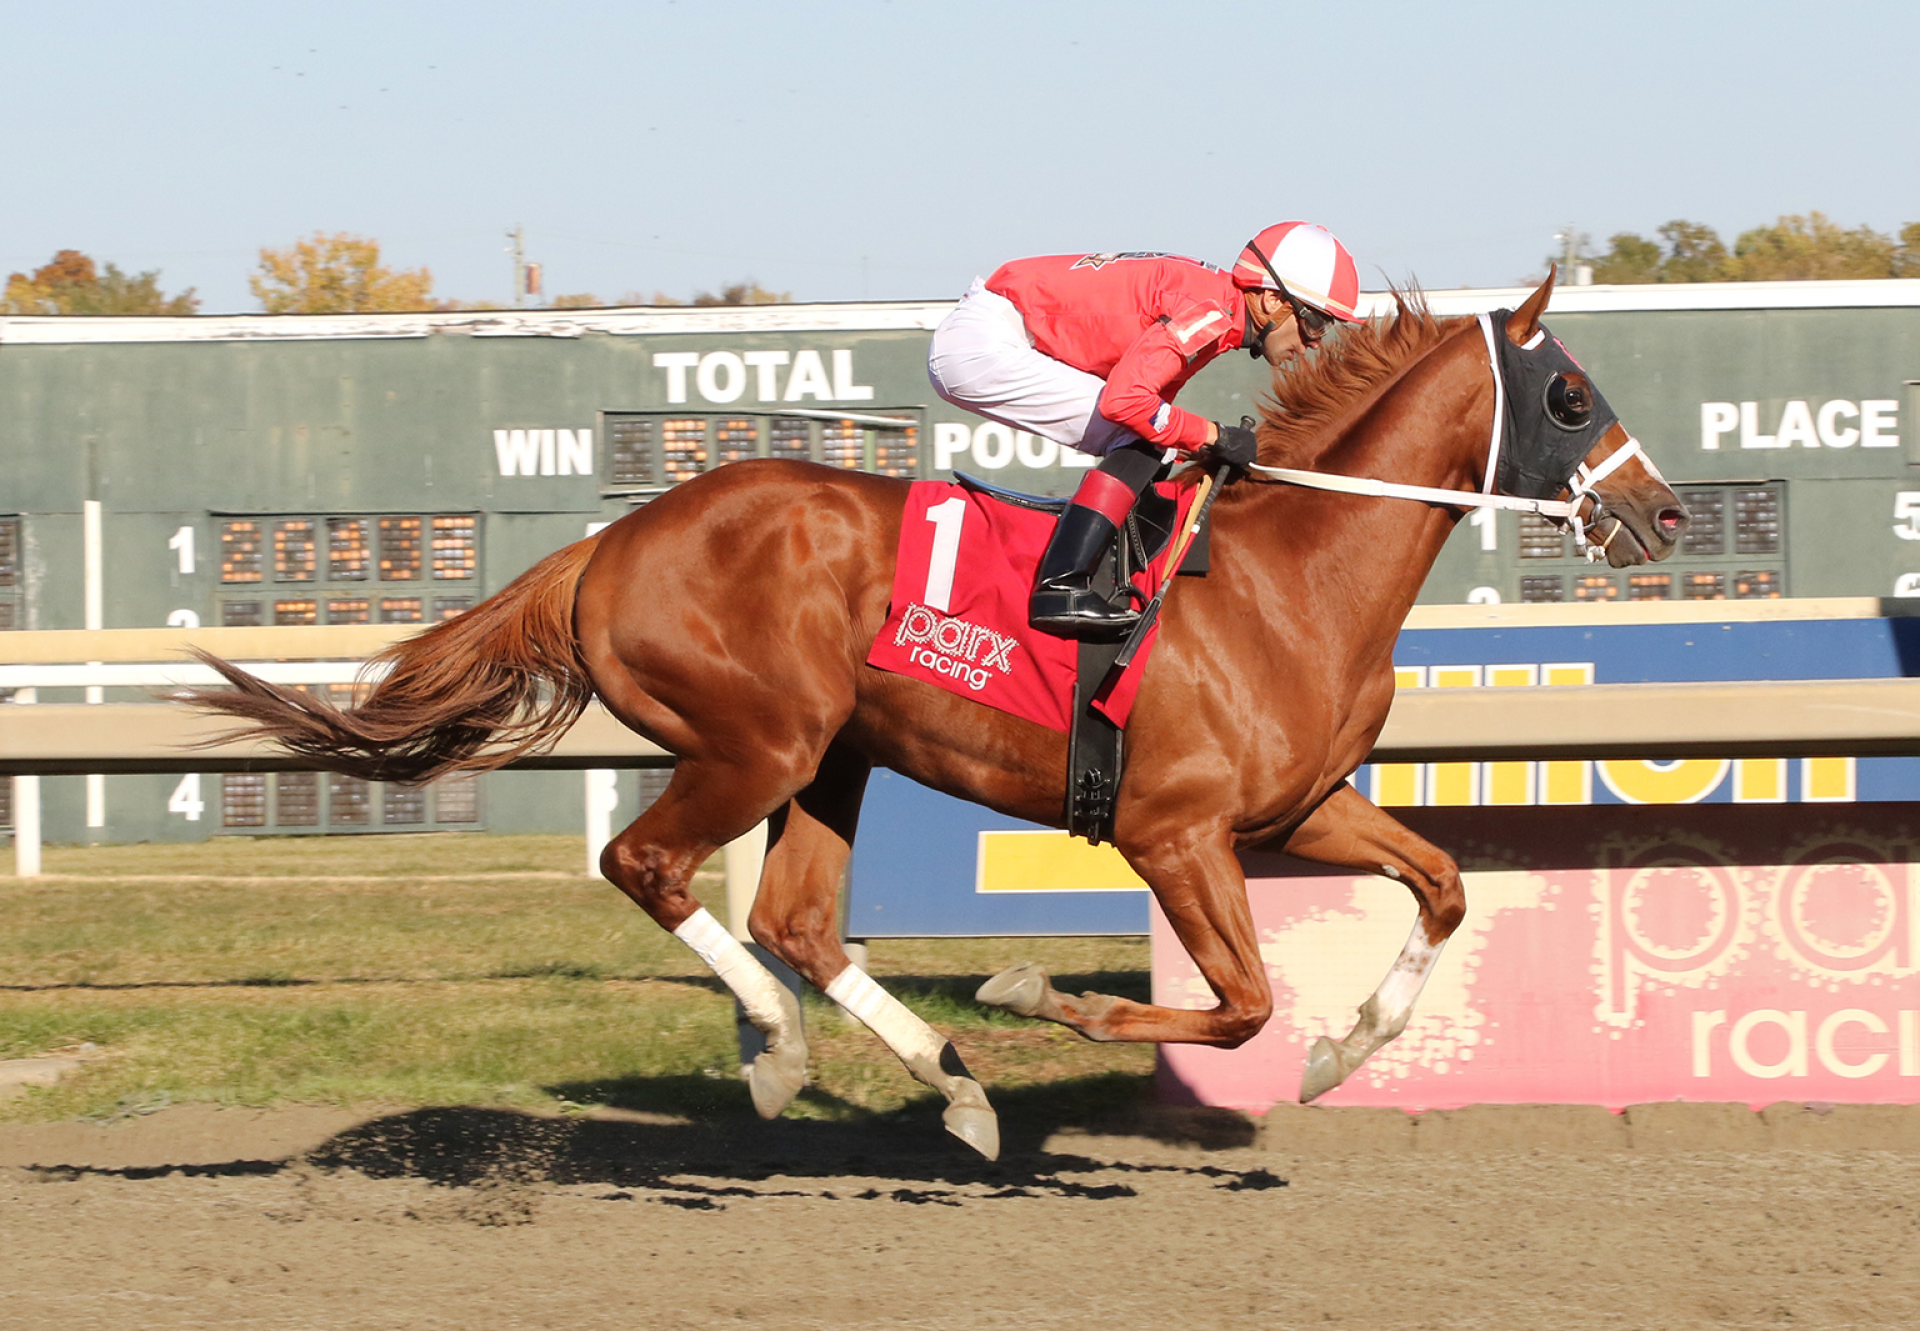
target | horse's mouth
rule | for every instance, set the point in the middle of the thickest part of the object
(1627, 538)
(1625, 547)
(1638, 532)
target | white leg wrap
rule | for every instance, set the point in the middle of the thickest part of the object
(886, 1016)
(752, 983)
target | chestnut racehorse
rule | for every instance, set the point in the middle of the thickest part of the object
(729, 621)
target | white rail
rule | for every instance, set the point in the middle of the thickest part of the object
(1782, 719)
(168, 675)
(39, 739)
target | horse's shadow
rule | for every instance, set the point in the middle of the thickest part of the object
(725, 1151)
(697, 1136)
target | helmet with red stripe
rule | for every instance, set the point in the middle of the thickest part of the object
(1307, 263)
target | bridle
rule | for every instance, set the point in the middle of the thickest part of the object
(1564, 513)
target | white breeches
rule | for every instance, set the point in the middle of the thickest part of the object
(982, 361)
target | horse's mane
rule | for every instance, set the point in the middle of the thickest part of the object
(1317, 392)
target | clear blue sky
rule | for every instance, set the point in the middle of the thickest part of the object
(893, 150)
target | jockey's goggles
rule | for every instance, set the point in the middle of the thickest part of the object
(1313, 323)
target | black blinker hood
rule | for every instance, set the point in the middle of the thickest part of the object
(1538, 455)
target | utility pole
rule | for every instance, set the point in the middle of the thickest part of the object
(1573, 268)
(519, 251)
(1567, 236)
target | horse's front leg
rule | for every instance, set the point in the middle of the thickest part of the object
(1196, 878)
(1349, 831)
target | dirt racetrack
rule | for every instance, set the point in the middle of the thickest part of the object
(1669, 1216)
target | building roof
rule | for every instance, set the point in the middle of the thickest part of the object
(881, 316)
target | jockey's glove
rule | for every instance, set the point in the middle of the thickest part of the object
(1235, 447)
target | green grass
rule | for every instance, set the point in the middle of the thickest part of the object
(300, 857)
(463, 969)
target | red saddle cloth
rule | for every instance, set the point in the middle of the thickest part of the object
(958, 618)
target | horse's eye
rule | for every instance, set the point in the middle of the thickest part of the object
(1568, 401)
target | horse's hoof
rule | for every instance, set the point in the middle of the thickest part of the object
(778, 1072)
(976, 1125)
(775, 1077)
(1019, 989)
(1324, 1070)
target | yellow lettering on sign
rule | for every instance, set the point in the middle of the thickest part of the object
(1827, 780)
(1050, 862)
(1398, 785)
(1570, 782)
(1760, 781)
(1647, 781)
(1566, 780)
(1511, 783)
(1454, 784)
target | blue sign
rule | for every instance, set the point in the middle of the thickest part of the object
(918, 873)
(1709, 651)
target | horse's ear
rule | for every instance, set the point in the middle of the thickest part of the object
(1525, 321)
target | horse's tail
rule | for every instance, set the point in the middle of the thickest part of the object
(469, 694)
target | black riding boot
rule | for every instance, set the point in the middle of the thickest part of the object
(1064, 603)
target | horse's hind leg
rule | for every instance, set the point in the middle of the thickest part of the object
(1348, 830)
(703, 807)
(795, 918)
(1197, 881)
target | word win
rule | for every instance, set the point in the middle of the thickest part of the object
(544, 452)
(1571, 781)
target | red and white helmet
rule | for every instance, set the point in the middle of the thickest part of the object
(1307, 261)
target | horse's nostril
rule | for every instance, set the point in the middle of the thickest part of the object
(1672, 521)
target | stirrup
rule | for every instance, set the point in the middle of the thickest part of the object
(1079, 613)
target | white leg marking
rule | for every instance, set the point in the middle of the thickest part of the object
(1382, 1017)
(1393, 1000)
(753, 984)
(886, 1016)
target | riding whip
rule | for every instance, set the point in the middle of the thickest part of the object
(1203, 500)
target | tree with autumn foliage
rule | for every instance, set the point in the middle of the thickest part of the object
(748, 292)
(745, 292)
(337, 273)
(1794, 248)
(72, 284)
(1809, 248)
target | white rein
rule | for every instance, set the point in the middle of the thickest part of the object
(1566, 511)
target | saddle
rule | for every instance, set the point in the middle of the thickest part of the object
(1096, 747)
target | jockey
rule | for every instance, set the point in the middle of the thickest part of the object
(1089, 350)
